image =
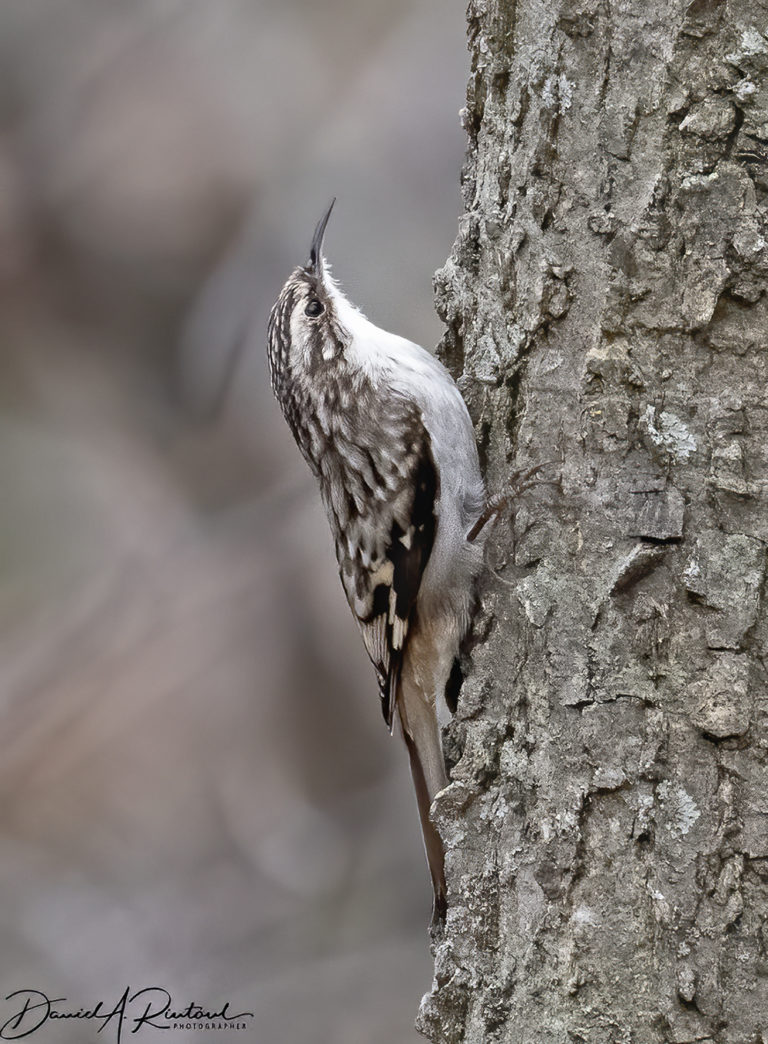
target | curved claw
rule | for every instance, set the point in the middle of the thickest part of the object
(518, 482)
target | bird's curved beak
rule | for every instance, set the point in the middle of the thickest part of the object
(316, 250)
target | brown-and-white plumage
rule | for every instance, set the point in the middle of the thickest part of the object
(386, 433)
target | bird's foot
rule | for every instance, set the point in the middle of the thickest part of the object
(518, 483)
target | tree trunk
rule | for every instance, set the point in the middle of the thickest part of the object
(607, 823)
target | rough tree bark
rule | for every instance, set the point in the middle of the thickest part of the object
(607, 823)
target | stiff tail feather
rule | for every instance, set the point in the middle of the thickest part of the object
(421, 733)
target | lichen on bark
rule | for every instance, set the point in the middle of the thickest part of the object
(605, 308)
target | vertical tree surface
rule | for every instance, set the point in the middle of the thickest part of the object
(607, 820)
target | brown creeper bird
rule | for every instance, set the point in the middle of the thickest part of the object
(388, 436)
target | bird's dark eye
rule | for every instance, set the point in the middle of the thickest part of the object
(314, 308)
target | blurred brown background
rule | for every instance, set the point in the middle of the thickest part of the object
(196, 786)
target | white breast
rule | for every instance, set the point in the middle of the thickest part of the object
(400, 367)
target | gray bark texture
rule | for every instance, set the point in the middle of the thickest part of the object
(607, 821)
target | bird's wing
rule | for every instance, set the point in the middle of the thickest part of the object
(382, 559)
